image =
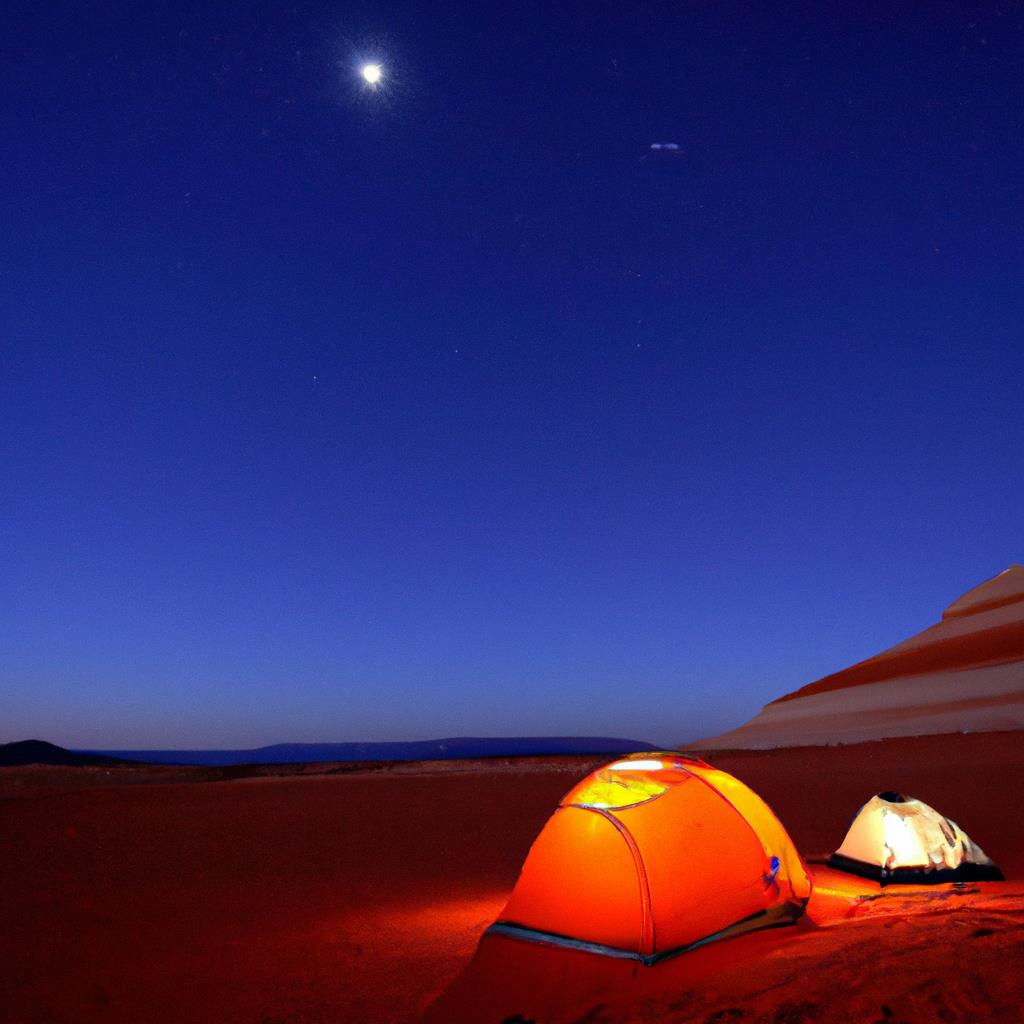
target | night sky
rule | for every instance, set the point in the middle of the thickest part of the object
(450, 406)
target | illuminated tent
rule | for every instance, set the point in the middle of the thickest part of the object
(653, 855)
(895, 838)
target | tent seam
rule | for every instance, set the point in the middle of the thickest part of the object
(647, 936)
(735, 809)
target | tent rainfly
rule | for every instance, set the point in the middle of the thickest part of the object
(653, 855)
(897, 839)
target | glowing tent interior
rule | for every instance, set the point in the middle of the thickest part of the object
(653, 855)
(895, 838)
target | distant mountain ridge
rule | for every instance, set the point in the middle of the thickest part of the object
(41, 752)
(417, 750)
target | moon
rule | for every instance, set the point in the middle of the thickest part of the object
(371, 73)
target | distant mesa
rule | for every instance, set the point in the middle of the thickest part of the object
(25, 752)
(965, 673)
(458, 748)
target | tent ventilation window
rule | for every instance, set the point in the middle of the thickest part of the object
(628, 783)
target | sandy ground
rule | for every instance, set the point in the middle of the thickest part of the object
(360, 897)
(906, 957)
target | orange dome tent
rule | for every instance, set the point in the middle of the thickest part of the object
(653, 855)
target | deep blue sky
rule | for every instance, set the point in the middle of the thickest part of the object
(452, 408)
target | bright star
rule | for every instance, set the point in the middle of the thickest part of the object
(371, 73)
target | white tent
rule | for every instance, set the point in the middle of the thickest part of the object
(895, 838)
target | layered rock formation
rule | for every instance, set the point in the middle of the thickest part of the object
(965, 673)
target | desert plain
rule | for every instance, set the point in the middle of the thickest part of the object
(359, 894)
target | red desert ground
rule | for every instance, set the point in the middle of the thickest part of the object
(361, 894)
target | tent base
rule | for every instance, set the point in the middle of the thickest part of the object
(915, 876)
(774, 917)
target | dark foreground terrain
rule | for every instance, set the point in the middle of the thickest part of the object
(166, 895)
